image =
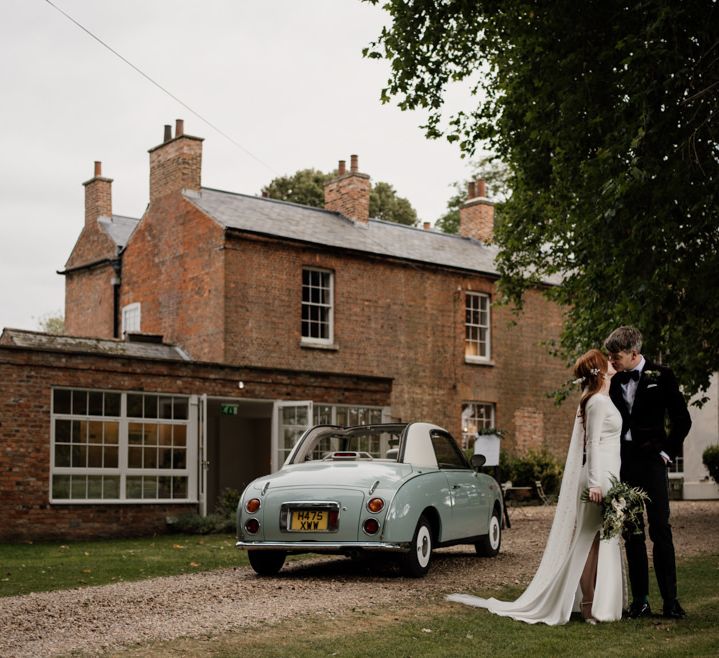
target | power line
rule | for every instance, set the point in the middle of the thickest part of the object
(163, 89)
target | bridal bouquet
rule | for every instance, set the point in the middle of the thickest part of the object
(622, 507)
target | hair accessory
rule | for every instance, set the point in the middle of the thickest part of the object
(595, 371)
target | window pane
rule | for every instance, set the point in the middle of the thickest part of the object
(62, 456)
(61, 401)
(95, 403)
(78, 457)
(179, 458)
(94, 459)
(164, 489)
(110, 457)
(149, 487)
(165, 458)
(165, 435)
(134, 405)
(62, 431)
(134, 433)
(133, 487)
(179, 487)
(166, 408)
(94, 432)
(111, 487)
(61, 486)
(94, 486)
(179, 408)
(79, 403)
(78, 486)
(112, 404)
(150, 458)
(134, 457)
(111, 434)
(179, 434)
(150, 434)
(150, 406)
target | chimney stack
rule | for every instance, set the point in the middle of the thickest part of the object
(176, 164)
(98, 196)
(348, 193)
(476, 214)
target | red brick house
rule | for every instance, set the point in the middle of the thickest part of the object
(211, 331)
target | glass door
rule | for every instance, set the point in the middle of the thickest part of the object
(291, 419)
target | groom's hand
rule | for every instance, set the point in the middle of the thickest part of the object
(595, 495)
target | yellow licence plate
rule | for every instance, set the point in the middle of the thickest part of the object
(309, 520)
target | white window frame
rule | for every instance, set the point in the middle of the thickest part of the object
(131, 316)
(480, 298)
(309, 340)
(471, 421)
(123, 471)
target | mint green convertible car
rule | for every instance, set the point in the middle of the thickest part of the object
(399, 488)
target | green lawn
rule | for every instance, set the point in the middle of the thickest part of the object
(43, 567)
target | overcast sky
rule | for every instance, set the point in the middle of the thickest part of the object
(285, 79)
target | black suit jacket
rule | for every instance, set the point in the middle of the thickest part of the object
(658, 397)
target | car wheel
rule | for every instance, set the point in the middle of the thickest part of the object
(266, 563)
(415, 563)
(488, 545)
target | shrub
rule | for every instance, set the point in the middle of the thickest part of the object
(710, 457)
(538, 465)
(221, 520)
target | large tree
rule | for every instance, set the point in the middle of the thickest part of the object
(306, 186)
(606, 114)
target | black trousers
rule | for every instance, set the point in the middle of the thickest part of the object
(649, 472)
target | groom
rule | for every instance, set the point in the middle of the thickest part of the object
(646, 394)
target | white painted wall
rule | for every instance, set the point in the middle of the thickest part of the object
(704, 432)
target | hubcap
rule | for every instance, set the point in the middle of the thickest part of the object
(424, 546)
(494, 532)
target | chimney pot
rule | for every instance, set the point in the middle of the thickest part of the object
(179, 127)
(341, 169)
(481, 188)
(168, 133)
(98, 168)
(471, 190)
(426, 226)
(354, 166)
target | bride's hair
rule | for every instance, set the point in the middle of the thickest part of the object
(590, 369)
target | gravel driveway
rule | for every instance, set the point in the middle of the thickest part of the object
(98, 619)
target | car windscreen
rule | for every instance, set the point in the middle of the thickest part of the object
(356, 443)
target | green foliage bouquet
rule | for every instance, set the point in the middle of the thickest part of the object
(622, 508)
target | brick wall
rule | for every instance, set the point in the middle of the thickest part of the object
(173, 267)
(26, 381)
(89, 302)
(399, 321)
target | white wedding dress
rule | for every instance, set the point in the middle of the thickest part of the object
(554, 592)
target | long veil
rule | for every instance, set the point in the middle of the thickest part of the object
(560, 536)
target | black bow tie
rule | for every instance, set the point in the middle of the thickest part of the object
(625, 376)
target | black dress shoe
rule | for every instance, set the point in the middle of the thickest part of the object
(674, 611)
(639, 609)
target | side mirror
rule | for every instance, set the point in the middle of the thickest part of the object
(478, 461)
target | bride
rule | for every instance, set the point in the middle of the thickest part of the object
(578, 572)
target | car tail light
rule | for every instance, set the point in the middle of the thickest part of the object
(371, 526)
(252, 505)
(252, 526)
(333, 519)
(375, 505)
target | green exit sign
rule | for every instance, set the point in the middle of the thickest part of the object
(229, 409)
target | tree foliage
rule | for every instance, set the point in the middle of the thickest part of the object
(606, 115)
(52, 323)
(306, 187)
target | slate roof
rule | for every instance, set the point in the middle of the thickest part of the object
(118, 228)
(324, 227)
(104, 346)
